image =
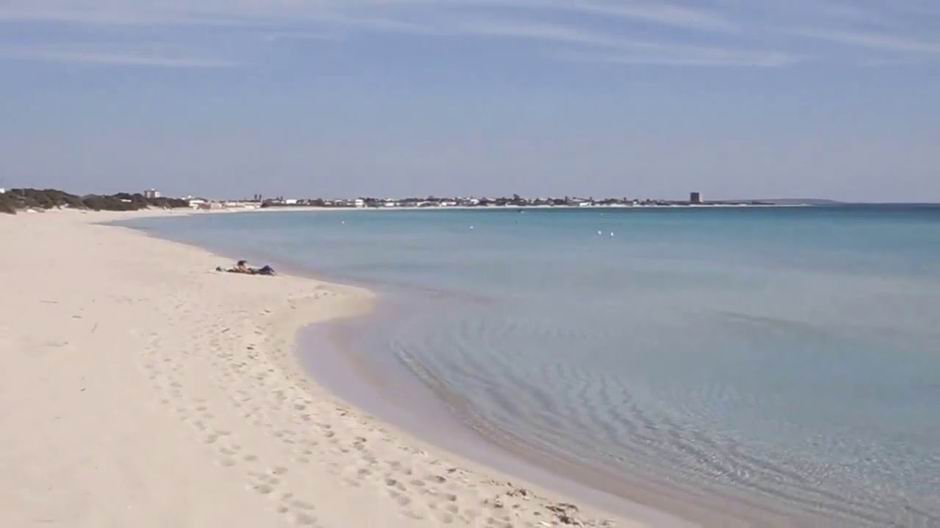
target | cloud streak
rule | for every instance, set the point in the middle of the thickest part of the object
(215, 11)
(619, 31)
(655, 54)
(878, 41)
(537, 31)
(607, 48)
(114, 58)
(659, 13)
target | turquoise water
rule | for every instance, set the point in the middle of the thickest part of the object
(784, 360)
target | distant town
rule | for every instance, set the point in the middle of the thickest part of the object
(12, 200)
(259, 201)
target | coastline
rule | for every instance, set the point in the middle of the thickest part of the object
(217, 422)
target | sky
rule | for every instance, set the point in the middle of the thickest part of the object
(732, 98)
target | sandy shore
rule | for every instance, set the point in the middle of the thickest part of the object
(140, 388)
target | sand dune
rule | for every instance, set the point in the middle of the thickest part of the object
(140, 388)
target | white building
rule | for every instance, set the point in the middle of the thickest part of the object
(239, 204)
(150, 194)
(360, 202)
(2, 190)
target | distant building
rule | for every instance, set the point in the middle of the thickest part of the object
(695, 198)
(2, 190)
(150, 194)
(360, 202)
(238, 204)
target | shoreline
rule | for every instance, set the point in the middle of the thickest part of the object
(511, 460)
(217, 421)
(644, 498)
(493, 458)
(401, 399)
(391, 391)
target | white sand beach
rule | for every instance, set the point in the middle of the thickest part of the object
(139, 387)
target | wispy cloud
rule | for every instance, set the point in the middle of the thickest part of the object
(118, 15)
(879, 41)
(656, 54)
(594, 46)
(719, 33)
(657, 12)
(537, 31)
(215, 12)
(277, 36)
(117, 58)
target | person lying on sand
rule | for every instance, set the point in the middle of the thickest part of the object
(242, 267)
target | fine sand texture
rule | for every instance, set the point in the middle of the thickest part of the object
(138, 387)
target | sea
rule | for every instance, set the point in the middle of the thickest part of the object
(765, 366)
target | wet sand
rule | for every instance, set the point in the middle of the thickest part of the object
(384, 387)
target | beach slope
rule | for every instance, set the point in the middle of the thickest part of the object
(139, 387)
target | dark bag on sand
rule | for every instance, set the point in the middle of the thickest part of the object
(267, 270)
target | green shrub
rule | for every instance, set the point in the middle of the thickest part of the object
(16, 199)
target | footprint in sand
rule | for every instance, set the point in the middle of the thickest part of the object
(304, 519)
(263, 489)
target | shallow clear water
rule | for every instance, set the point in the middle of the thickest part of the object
(787, 359)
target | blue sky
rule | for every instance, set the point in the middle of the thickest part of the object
(734, 98)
